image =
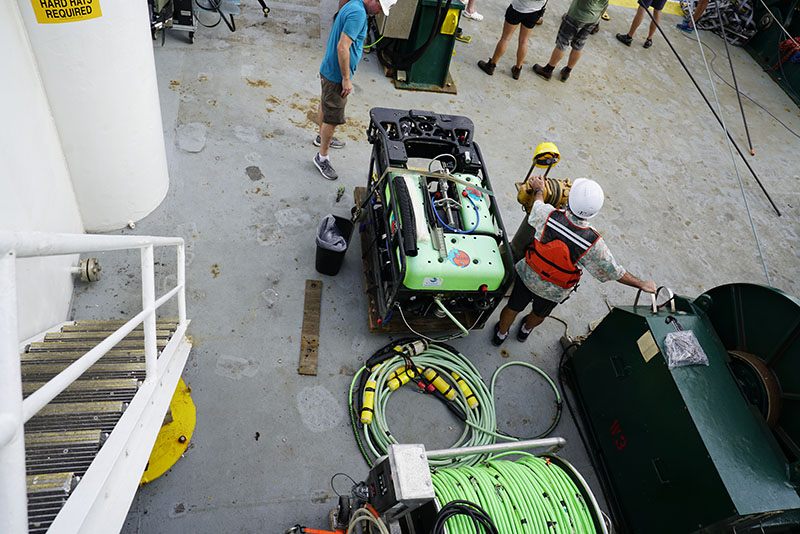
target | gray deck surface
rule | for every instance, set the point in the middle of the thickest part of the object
(244, 194)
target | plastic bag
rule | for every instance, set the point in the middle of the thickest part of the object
(329, 236)
(683, 349)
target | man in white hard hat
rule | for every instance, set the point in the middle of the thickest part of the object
(563, 244)
(345, 45)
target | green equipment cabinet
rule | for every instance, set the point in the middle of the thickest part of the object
(431, 70)
(696, 449)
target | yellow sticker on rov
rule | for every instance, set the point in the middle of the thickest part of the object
(57, 11)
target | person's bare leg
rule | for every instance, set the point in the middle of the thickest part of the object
(502, 44)
(656, 20)
(533, 321)
(698, 12)
(556, 56)
(522, 46)
(637, 20)
(326, 134)
(471, 6)
(507, 316)
(574, 56)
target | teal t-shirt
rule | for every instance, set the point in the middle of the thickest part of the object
(587, 11)
(351, 20)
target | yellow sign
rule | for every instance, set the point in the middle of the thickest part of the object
(647, 346)
(56, 11)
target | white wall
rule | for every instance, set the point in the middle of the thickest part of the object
(100, 80)
(35, 188)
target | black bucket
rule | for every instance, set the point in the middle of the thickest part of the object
(329, 261)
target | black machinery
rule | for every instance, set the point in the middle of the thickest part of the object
(438, 246)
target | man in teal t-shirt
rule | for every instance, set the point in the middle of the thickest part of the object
(345, 45)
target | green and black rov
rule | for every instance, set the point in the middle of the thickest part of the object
(437, 246)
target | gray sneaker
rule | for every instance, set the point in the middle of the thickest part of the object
(335, 143)
(325, 168)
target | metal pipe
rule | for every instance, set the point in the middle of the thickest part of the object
(30, 244)
(552, 444)
(735, 83)
(680, 60)
(13, 496)
(148, 303)
(181, 284)
(42, 396)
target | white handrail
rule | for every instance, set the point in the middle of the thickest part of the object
(14, 411)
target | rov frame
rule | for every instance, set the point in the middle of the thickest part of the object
(397, 136)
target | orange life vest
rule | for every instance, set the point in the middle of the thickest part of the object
(554, 256)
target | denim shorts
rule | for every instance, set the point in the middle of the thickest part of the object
(572, 32)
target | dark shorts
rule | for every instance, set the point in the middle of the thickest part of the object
(331, 102)
(528, 20)
(655, 4)
(574, 33)
(521, 296)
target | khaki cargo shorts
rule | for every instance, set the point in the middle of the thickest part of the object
(332, 102)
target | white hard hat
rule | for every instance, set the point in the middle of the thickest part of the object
(585, 198)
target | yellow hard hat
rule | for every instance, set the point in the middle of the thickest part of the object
(546, 155)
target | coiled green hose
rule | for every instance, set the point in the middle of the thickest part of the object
(532, 495)
(480, 422)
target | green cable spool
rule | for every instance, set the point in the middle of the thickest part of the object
(532, 495)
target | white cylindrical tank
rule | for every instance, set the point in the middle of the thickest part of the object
(95, 58)
(35, 189)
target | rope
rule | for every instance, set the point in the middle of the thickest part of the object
(733, 158)
(718, 115)
(531, 495)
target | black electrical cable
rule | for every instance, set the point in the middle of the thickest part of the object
(405, 62)
(215, 6)
(480, 519)
(730, 137)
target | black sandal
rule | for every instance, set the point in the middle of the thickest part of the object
(648, 43)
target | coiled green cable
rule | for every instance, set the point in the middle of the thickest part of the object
(480, 423)
(531, 495)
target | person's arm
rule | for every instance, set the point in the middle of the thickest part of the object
(538, 213)
(343, 53)
(629, 280)
(535, 184)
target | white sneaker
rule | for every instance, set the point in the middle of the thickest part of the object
(473, 16)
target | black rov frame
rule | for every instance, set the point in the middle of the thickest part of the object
(396, 136)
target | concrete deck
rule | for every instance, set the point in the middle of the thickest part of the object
(237, 111)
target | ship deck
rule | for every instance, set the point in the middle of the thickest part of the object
(237, 112)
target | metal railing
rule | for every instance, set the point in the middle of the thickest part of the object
(14, 411)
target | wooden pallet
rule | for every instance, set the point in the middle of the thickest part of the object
(396, 324)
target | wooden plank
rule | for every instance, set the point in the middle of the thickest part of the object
(309, 340)
(396, 324)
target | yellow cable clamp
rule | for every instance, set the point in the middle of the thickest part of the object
(472, 400)
(439, 383)
(369, 402)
